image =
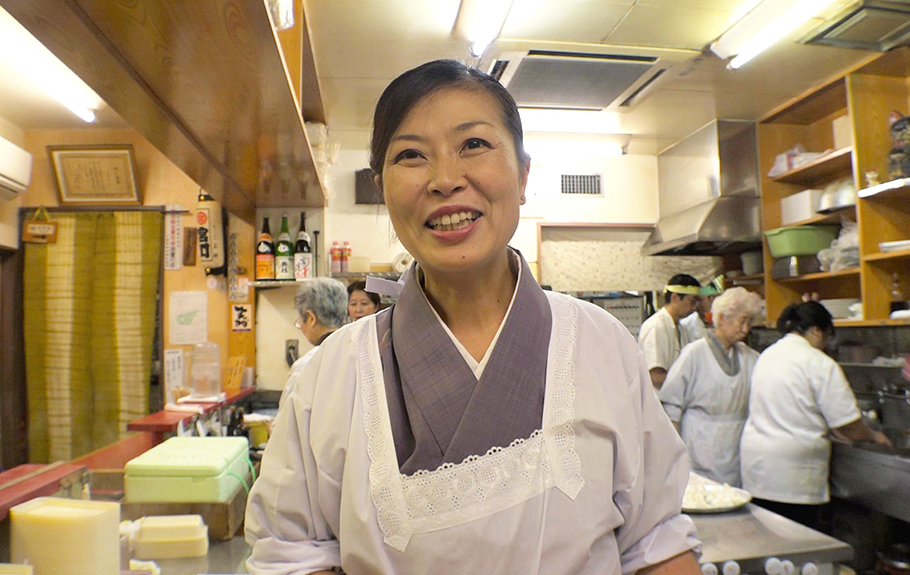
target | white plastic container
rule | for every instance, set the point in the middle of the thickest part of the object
(799, 207)
(171, 537)
(205, 380)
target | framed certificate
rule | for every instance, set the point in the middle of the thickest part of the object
(95, 175)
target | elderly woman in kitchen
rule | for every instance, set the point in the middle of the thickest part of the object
(480, 425)
(706, 393)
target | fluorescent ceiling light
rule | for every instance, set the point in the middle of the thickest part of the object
(569, 121)
(24, 52)
(762, 27)
(480, 21)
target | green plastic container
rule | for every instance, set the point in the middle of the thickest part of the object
(800, 240)
(188, 469)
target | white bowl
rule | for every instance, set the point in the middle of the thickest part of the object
(839, 308)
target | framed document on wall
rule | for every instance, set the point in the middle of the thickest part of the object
(95, 175)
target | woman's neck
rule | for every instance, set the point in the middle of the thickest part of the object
(724, 342)
(473, 304)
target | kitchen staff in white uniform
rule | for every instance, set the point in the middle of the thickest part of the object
(479, 425)
(706, 393)
(322, 307)
(696, 324)
(799, 394)
(660, 337)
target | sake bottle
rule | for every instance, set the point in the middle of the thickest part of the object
(303, 253)
(265, 253)
(284, 253)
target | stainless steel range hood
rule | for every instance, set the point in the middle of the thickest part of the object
(708, 193)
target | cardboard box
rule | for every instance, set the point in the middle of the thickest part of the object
(843, 132)
(799, 207)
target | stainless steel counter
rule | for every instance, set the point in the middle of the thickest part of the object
(748, 535)
(872, 476)
(751, 534)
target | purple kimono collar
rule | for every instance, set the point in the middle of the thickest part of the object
(439, 411)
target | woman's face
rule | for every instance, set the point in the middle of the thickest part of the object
(452, 181)
(360, 305)
(733, 328)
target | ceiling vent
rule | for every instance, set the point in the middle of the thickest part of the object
(876, 25)
(586, 77)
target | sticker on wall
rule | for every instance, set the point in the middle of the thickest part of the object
(173, 238)
(188, 318)
(241, 317)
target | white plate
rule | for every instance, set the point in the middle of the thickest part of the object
(714, 498)
(894, 246)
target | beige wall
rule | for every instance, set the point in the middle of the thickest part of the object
(160, 183)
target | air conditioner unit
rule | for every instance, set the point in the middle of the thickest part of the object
(15, 169)
(581, 76)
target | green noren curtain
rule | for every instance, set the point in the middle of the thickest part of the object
(90, 301)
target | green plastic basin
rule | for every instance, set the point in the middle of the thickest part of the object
(800, 240)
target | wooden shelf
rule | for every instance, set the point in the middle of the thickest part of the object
(204, 81)
(870, 322)
(838, 161)
(748, 280)
(832, 216)
(266, 284)
(821, 276)
(162, 422)
(886, 256)
(892, 189)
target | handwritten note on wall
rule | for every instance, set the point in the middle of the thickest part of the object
(188, 317)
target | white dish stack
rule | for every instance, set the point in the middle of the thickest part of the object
(66, 536)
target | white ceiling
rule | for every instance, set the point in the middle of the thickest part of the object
(360, 45)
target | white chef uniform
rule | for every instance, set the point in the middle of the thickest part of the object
(711, 408)
(693, 326)
(660, 340)
(597, 489)
(798, 394)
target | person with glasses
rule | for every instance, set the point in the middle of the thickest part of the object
(322, 307)
(799, 395)
(706, 393)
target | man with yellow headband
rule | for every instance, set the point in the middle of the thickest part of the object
(660, 336)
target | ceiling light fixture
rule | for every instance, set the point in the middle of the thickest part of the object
(762, 27)
(480, 21)
(35, 62)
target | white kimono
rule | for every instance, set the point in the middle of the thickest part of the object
(798, 395)
(711, 408)
(596, 490)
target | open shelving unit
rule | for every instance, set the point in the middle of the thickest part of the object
(865, 96)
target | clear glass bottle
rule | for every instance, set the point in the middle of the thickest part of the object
(284, 253)
(898, 300)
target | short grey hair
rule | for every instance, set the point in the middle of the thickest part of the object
(327, 298)
(736, 301)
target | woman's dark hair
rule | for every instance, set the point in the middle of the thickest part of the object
(362, 286)
(801, 317)
(411, 87)
(680, 280)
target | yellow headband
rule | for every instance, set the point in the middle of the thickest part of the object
(686, 290)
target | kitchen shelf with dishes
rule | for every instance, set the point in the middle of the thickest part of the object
(848, 115)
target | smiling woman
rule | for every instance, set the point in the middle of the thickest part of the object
(480, 425)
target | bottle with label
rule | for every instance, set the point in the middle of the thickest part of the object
(284, 253)
(303, 253)
(336, 258)
(265, 253)
(346, 257)
(898, 301)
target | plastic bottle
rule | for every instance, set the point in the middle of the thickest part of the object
(284, 253)
(336, 258)
(265, 253)
(303, 253)
(346, 257)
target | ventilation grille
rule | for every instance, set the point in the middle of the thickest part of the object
(583, 185)
(878, 25)
(575, 80)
